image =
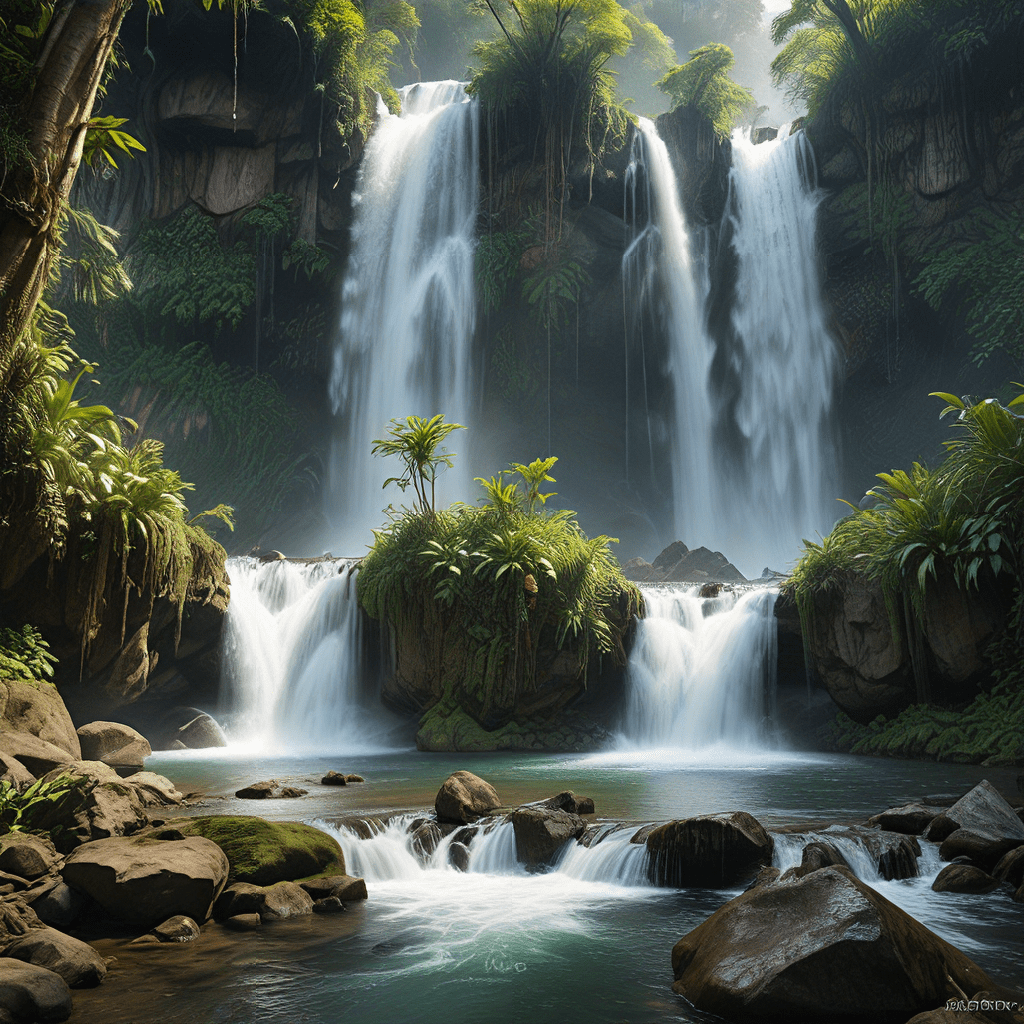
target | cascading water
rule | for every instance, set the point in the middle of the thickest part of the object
(778, 488)
(702, 671)
(658, 273)
(408, 305)
(292, 664)
(784, 360)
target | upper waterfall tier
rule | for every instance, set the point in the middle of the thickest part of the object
(408, 304)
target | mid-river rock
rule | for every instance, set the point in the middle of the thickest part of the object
(264, 852)
(272, 903)
(464, 797)
(145, 881)
(821, 947)
(26, 855)
(712, 850)
(910, 819)
(980, 825)
(963, 878)
(542, 831)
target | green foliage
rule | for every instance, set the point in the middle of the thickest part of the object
(545, 85)
(31, 810)
(499, 574)
(497, 264)
(25, 655)
(102, 137)
(703, 82)
(417, 443)
(988, 730)
(232, 432)
(986, 277)
(962, 523)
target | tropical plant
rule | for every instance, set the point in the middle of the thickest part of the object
(986, 277)
(546, 88)
(417, 443)
(961, 524)
(703, 83)
(24, 654)
(498, 575)
(42, 802)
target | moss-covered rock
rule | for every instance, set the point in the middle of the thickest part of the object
(264, 852)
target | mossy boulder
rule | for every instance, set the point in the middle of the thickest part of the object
(263, 852)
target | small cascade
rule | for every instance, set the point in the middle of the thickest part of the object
(661, 284)
(389, 854)
(408, 308)
(783, 363)
(702, 671)
(292, 659)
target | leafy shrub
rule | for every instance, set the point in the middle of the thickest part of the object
(42, 802)
(24, 654)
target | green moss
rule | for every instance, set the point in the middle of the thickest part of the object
(989, 730)
(264, 852)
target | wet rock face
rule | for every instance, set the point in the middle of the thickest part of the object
(981, 825)
(541, 832)
(821, 947)
(713, 850)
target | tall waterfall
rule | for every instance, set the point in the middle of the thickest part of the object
(702, 671)
(784, 359)
(293, 671)
(658, 270)
(408, 307)
(758, 503)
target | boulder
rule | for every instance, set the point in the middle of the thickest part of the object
(817, 856)
(17, 918)
(257, 790)
(144, 880)
(26, 855)
(75, 961)
(702, 564)
(36, 709)
(177, 929)
(271, 903)
(264, 852)
(35, 755)
(31, 993)
(464, 797)
(14, 772)
(333, 778)
(567, 801)
(328, 905)
(343, 887)
(113, 743)
(964, 878)
(822, 947)
(910, 819)
(425, 838)
(1010, 868)
(154, 790)
(712, 850)
(980, 825)
(541, 832)
(292, 793)
(107, 809)
(58, 906)
(193, 729)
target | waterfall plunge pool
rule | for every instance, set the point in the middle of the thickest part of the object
(501, 945)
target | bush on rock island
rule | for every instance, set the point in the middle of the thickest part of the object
(502, 606)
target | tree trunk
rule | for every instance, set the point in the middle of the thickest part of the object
(68, 73)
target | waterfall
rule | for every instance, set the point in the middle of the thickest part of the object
(292, 664)
(758, 502)
(389, 854)
(702, 671)
(659, 277)
(408, 305)
(784, 360)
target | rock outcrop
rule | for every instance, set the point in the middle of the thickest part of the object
(144, 881)
(712, 850)
(465, 797)
(824, 946)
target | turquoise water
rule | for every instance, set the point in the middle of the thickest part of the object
(460, 948)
